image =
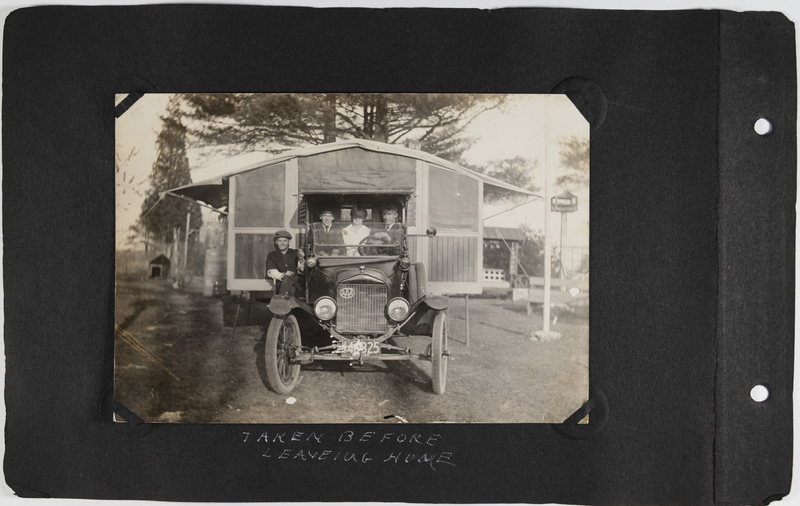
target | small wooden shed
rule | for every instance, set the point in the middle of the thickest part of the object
(264, 193)
(159, 267)
(508, 239)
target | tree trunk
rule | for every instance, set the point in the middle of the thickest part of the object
(329, 119)
(368, 119)
(381, 109)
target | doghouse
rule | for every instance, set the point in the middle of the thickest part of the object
(159, 267)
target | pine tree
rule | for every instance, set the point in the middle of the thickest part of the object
(161, 214)
(275, 122)
(575, 159)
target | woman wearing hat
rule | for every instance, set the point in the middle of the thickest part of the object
(284, 264)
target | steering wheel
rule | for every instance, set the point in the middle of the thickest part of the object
(374, 245)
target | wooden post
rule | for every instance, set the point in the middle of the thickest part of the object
(236, 318)
(186, 245)
(249, 303)
(511, 266)
(561, 268)
(215, 254)
(176, 265)
(466, 310)
(546, 305)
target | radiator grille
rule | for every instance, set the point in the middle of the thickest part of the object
(364, 311)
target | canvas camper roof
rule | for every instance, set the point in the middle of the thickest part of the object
(357, 170)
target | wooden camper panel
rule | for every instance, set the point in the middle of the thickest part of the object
(453, 204)
(452, 259)
(411, 242)
(251, 257)
(411, 211)
(418, 244)
(260, 199)
(453, 201)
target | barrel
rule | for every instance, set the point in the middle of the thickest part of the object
(214, 274)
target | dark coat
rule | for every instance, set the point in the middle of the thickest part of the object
(285, 262)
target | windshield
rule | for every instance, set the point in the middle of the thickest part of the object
(357, 239)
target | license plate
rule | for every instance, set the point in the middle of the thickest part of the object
(359, 348)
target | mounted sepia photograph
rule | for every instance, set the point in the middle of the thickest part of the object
(351, 258)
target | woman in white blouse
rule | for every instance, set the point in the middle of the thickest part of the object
(355, 232)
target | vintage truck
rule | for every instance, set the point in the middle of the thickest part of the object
(383, 289)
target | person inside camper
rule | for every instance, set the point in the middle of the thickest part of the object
(329, 235)
(392, 231)
(355, 232)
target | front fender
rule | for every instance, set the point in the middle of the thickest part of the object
(281, 306)
(437, 302)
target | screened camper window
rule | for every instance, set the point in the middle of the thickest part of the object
(453, 201)
(411, 211)
(260, 197)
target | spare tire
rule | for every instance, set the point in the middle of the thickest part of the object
(412, 283)
(417, 280)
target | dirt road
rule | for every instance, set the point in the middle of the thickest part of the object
(177, 359)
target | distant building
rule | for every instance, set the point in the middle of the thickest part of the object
(500, 257)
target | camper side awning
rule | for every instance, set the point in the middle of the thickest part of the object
(499, 186)
(213, 192)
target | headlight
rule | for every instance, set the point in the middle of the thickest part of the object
(405, 263)
(311, 261)
(325, 308)
(397, 309)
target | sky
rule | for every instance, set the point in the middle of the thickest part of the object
(529, 126)
(136, 131)
(533, 126)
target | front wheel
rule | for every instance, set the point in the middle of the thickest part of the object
(283, 340)
(439, 353)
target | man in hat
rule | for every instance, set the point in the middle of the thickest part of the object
(392, 231)
(328, 240)
(284, 266)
